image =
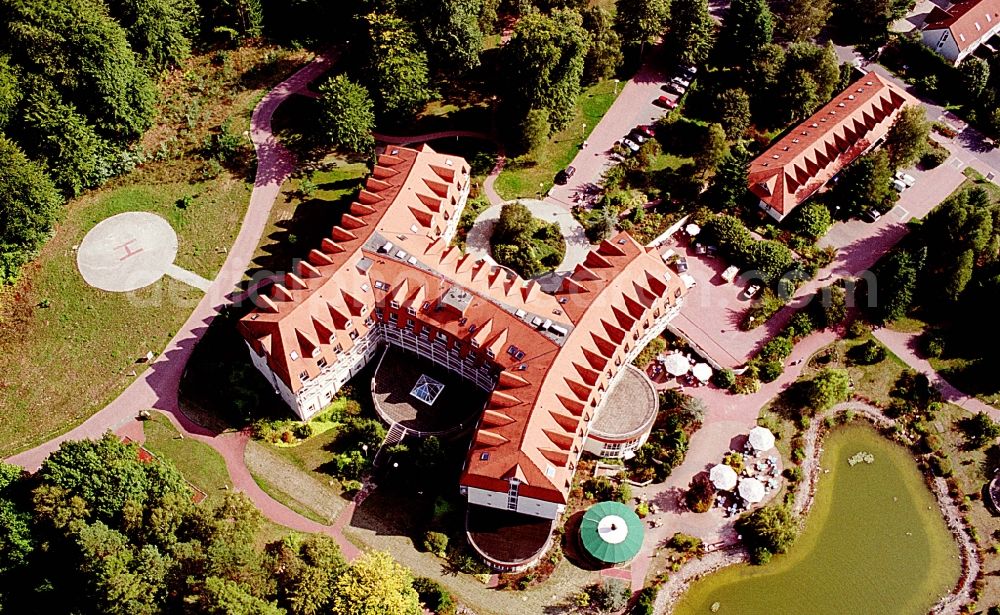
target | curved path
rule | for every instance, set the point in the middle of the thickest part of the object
(477, 242)
(157, 387)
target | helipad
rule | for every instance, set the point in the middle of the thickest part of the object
(130, 251)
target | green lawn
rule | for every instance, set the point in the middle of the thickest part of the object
(976, 180)
(527, 181)
(200, 464)
(64, 361)
(874, 542)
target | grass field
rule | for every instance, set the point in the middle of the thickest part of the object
(562, 147)
(874, 542)
(70, 349)
(200, 464)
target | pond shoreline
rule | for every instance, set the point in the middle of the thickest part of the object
(960, 595)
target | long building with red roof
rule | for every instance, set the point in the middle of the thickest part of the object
(387, 275)
(958, 31)
(801, 162)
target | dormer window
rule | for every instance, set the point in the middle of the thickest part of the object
(411, 311)
(484, 456)
(321, 363)
(338, 349)
(349, 325)
(394, 305)
(380, 285)
(304, 376)
(316, 352)
(490, 354)
(293, 355)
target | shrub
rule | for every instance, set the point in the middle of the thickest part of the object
(793, 474)
(771, 370)
(940, 465)
(435, 597)
(436, 543)
(611, 595)
(645, 602)
(303, 431)
(868, 353)
(700, 494)
(724, 378)
(351, 487)
(767, 530)
(931, 443)
(800, 325)
(653, 348)
(777, 349)
(685, 543)
(642, 510)
(746, 385)
(933, 345)
(734, 460)
(858, 328)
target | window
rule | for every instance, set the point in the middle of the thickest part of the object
(378, 313)
(394, 305)
(315, 352)
(321, 363)
(678, 293)
(484, 456)
(339, 348)
(294, 356)
(490, 354)
(474, 343)
(393, 317)
(369, 322)
(354, 335)
(379, 284)
(409, 324)
(304, 376)
(410, 310)
(349, 325)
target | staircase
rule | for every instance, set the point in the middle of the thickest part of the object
(396, 434)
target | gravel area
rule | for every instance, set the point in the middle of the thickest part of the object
(280, 473)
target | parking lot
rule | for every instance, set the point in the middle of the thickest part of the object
(714, 308)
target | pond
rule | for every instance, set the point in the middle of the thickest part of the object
(874, 542)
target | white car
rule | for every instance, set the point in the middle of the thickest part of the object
(898, 185)
(632, 145)
(681, 81)
(752, 290)
(909, 180)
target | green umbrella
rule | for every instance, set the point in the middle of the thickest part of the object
(611, 532)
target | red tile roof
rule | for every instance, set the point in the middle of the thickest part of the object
(806, 157)
(962, 19)
(551, 355)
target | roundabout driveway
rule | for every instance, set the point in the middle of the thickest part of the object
(477, 242)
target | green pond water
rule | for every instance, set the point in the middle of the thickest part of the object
(874, 542)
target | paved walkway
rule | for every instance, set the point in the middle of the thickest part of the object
(157, 387)
(906, 346)
(477, 242)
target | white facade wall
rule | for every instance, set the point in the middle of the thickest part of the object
(942, 42)
(525, 505)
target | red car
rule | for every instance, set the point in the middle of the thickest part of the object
(663, 101)
(647, 130)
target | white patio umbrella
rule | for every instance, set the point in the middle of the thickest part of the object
(761, 439)
(723, 477)
(676, 364)
(692, 229)
(702, 371)
(751, 490)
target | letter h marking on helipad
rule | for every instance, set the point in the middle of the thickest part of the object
(129, 252)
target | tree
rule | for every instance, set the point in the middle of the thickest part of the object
(347, 114)
(768, 530)
(801, 20)
(729, 184)
(907, 137)
(691, 31)
(897, 280)
(611, 595)
(713, 148)
(732, 108)
(829, 306)
(871, 18)
(700, 494)
(729, 233)
(450, 31)
(375, 584)
(75, 47)
(815, 72)
(16, 539)
(639, 22)
(241, 19)
(434, 596)
(605, 53)
(515, 222)
(28, 206)
(746, 31)
(600, 228)
(534, 130)
(827, 388)
(975, 73)
(812, 220)
(396, 72)
(960, 276)
(543, 65)
(865, 185)
(225, 597)
(769, 259)
(10, 91)
(980, 430)
(159, 31)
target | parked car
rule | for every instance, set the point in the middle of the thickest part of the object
(690, 71)
(909, 180)
(675, 88)
(563, 176)
(872, 215)
(681, 81)
(751, 291)
(647, 129)
(637, 136)
(632, 145)
(664, 101)
(898, 185)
